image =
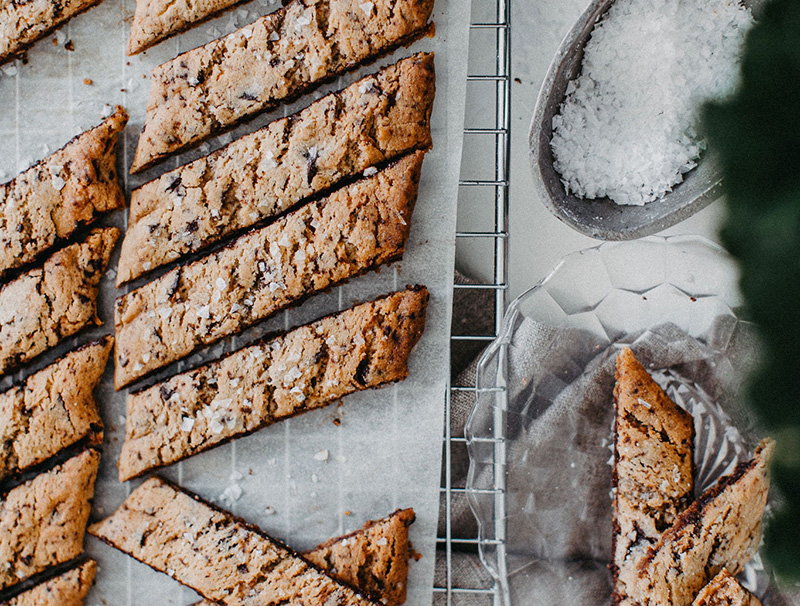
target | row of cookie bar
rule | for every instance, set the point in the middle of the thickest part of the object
(50, 424)
(669, 547)
(283, 55)
(258, 176)
(221, 557)
(321, 244)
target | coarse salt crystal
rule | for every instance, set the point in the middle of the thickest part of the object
(204, 312)
(274, 36)
(322, 455)
(187, 423)
(368, 172)
(382, 541)
(58, 183)
(627, 129)
(367, 8)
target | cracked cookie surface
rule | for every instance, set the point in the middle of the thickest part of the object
(725, 590)
(307, 368)
(260, 175)
(23, 23)
(52, 302)
(68, 189)
(217, 555)
(354, 230)
(373, 559)
(721, 529)
(67, 589)
(52, 410)
(653, 468)
(43, 521)
(283, 55)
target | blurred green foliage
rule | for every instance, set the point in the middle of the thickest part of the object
(757, 133)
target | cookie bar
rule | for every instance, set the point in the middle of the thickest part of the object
(355, 229)
(309, 367)
(23, 23)
(376, 119)
(52, 410)
(373, 559)
(275, 59)
(725, 590)
(66, 190)
(42, 522)
(67, 589)
(653, 468)
(721, 528)
(50, 303)
(220, 557)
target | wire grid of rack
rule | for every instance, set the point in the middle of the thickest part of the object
(483, 231)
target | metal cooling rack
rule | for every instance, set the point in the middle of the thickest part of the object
(482, 233)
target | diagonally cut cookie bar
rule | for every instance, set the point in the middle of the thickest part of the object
(725, 590)
(23, 23)
(355, 229)
(67, 589)
(378, 118)
(373, 559)
(42, 522)
(721, 529)
(275, 59)
(66, 190)
(363, 347)
(653, 468)
(52, 410)
(217, 555)
(50, 303)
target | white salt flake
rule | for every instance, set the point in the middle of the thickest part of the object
(627, 129)
(204, 312)
(322, 455)
(367, 8)
(58, 183)
(187, 423)
(368, 172)
(382, 541)
(274, 36)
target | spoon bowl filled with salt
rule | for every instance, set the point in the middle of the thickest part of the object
(615, 142)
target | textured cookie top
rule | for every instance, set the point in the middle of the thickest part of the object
(67, 589)
(52, 409)
(379, 118)
(23, 23)
(67, 189)
(725, 590)
(47, 304)
(373, 559)
(275, 59)
(355, 229)
(653, 467)
(309, 367)
(42, 522)
(721, 529)
(220, 557)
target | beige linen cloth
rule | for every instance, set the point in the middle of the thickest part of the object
(558, 477)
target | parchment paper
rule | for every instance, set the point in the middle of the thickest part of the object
(306, 479)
